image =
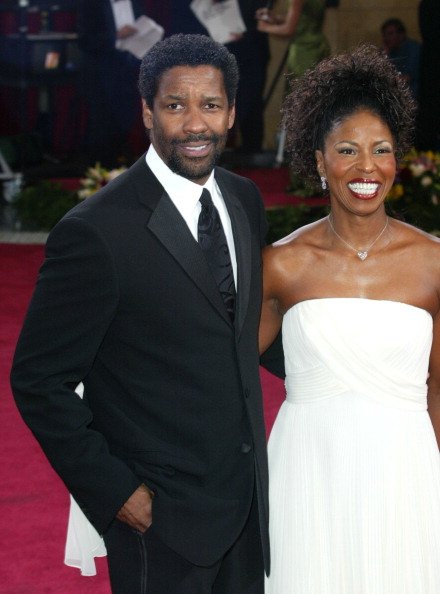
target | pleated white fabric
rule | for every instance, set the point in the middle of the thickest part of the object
(83, 543)
(353, 460)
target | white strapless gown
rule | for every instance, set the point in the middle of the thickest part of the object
(354, 464)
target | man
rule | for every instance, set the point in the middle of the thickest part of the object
(252, 53)
(166, 453)
(403, 52)
(109, 76)
(428, 125)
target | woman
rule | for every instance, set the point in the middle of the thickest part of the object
(353, 457)
(302, 24)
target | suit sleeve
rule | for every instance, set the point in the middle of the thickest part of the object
(273, 358)
(96, 27)
(73, 304)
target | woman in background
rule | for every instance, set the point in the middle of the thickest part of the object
(303, 25)
(353, 457)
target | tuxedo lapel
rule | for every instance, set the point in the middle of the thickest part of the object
(242, 241)
(171, 230)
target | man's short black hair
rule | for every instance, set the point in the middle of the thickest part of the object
(186, 50)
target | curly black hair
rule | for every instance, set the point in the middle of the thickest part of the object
(335, 89)
(186, 50)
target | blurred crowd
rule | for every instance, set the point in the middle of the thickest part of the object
(110, 73)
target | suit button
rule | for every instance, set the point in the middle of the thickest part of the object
(246, 392)
(245, 448)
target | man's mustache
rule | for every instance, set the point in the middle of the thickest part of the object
(214, 138)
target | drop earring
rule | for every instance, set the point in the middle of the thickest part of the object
(323, 182)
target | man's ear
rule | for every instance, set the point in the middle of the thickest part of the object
(147, 115)
(231, 116)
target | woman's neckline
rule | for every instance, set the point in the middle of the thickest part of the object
(312, 299)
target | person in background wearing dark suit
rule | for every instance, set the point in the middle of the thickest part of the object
(150, 296)
(251, 50)
(252, 53)
(428, 125)
(109, 77)
(403, 52)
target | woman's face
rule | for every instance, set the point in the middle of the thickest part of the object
(358, 161)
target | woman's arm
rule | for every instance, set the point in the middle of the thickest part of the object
(271, 317)
(434, 379)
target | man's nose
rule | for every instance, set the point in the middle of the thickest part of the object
(195, 121)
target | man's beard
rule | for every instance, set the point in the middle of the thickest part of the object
(194, 168)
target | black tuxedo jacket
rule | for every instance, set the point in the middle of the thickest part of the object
(125, 303)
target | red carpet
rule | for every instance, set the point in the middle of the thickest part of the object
(272, 184)
(33, 501)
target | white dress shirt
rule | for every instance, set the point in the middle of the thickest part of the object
(185, 196)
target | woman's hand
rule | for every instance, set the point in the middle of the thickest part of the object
(263, 14)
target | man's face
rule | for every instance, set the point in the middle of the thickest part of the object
(189, 120)
(392, 38)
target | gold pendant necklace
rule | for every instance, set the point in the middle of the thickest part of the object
(361, 254)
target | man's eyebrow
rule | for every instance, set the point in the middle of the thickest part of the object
(177, 97)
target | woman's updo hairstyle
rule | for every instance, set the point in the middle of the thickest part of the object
(336, 88)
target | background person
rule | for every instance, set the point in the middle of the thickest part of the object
(303, 25)
(109, 77)
(251, 50)
(353, 457)
(428, 125)
(403, 52)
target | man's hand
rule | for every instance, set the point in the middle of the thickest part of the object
(137, 510)
(126, 31)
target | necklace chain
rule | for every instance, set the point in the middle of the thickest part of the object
(361, 254)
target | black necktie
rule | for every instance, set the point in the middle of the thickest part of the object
(213, 242)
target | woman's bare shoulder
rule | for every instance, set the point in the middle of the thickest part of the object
(417, 237)
(296, 244)
(289, 261)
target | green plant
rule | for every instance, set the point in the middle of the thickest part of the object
(42, 205)
(415, 195)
